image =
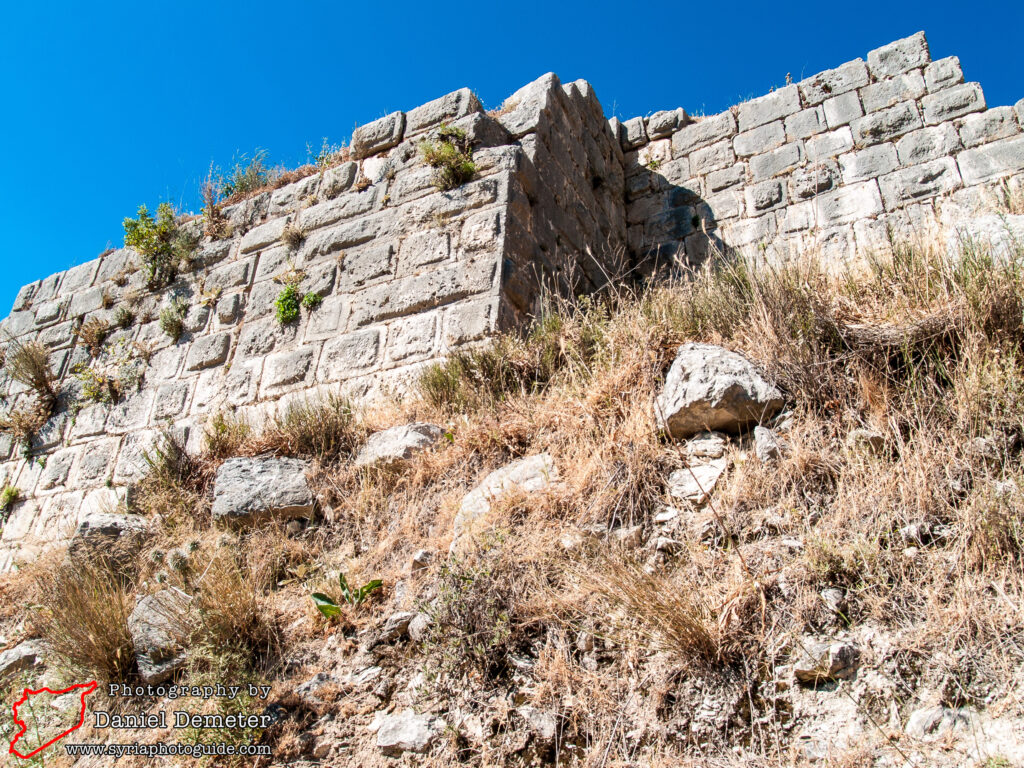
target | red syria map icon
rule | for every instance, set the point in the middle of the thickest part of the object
(84, 688)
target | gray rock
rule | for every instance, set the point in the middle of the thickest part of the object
(711, 388)
(543, 725)
(695, 482)
(421, 559)
(396, 626)
(766, 445)
(865, 439)
(419, 627)
(1002, 236)
(707, 445)
(899, 56)
(943, 73)
(247, 490)
(26, 655)
(405, 732)
(820, 662)
(108, 533)
(937, 721)
(392, 446)
(447, 108)
(952, 103)
(159, 630)
(377, 136)
(992, 161)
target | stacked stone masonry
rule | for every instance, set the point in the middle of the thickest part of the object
(564, 200)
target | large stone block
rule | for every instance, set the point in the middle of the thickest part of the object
(378, 136)
(804, 123)
(765, 109)
(350, 354)
(764, 196)
(711, 158)
(634, 133)
(952, 102)
(249, 490)
(927, 144)
(412, 338)
(886, 124)
(445, 109)
(757, 140)
(291, 367)
(943, 73)
(887, 93)
(983, 127)
(868, 163)
(992, 161)
(208, 351)
(848, 203)
(703, 131)
(829, 144)
(899, 57)
(919, 182)
(833, 82)
(777, 162)
(79, 278)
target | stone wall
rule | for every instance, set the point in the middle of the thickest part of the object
(564, 200)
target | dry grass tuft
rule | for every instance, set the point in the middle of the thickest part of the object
(28, 363)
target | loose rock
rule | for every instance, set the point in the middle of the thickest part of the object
(248, 490)
(405, 732)
(820, 662)
(766, 445)
(695, 483)
(393, 446)
(108, 534)
(158, 627)
(21, 657)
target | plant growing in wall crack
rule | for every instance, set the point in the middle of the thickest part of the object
(451, 156)
(161, 243)
(354, 597)
(172, 317)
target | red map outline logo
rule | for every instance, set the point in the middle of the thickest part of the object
(87, 688)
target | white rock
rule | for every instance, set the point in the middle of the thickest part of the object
(21, 657)
(766, 445)
(695, 483)
(392, 446)
(707, 445)
(405, 732)
(248, 490)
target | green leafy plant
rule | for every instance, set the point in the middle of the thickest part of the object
(9, 497)
(452, 157)
(161, 243)
(312, 301)
(286, 305)
(108, 377)
(172, 317)
(354, 597)
(123, 317)
(328, 156)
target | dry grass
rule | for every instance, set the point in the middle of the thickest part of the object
(92, 334)
(28, 363)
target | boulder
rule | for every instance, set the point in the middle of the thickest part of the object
(248, 490)
(711, 388)
(159, 629)
(405, 732)
(821, 662)
(526, 475)
(695, 482)
(21, 657)
(107, 534)
(392, 446)
(865, 440)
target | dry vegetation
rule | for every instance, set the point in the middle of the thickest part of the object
(621, 642)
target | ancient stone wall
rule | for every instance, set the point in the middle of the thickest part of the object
(563, 200)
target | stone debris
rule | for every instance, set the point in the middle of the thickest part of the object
(767, 445)
(819, 662)
(159, 630)
(406, 731)
(25, 655)
(108, 533)
(248, 490)
(392, 446)
(695, 482)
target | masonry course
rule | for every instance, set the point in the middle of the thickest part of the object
(564, 200)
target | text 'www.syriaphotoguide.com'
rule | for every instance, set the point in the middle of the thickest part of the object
(167, 750)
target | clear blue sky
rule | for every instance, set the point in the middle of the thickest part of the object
(108, 105)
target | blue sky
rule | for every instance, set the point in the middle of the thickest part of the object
(110, 105)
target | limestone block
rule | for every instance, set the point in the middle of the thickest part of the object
(79, 278)
(291, 367)
(779, 161)
(634, 133)
(58, 467)
(919, 181)
(848, 203)
(842, 109)
(337, 179)
(525, 109)
(96, 461)
(764, 109)
(19, 323)
(807, 122)
(423, 248)
(263, 235)
(383, 133)
(480, 230)
(365, 264)
(899, 57)
(467, 321)
(91, 421)
(85, 300)
(927, 144)
(20, 521)
(349, 354)
(726, 177)
(829, 144)
(447, 108)
(703, 131)
(233, 275)
(131, 413)
(131, 461)
(290, 196)
(208, 351)
(886, 124)
(26, 296)
(983, 127)
(58, 336)
(758, 140)
(868, 163)
(887, 93)
(229, 308)
(327, 319)
(711, 158)
(943, 73)
(664, 123)
(750, 231)
(49, 311)
(57, 518)
(814, 179)
(833, 82)
(953, 102)
(346, 206)
(1019, 109)
(159, 630)
(390, 447)
(797, 217)
(764, 196)
(259, 338)
(992, 161)
(170, 400)
(412, 338)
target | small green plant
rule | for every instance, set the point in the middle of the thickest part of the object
(312, 300)
(123, 317)
(172, 317)
(97, 386)
(108, 377)
(92, 334)
(9, 497)
(328, 156)
(160, 242)
(452, 157)
(248, 176)
(653, 164)
(354, 597)
(286, 305)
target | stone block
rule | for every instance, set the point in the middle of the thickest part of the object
(826, 145)
(49, 311)
(340, 208)
(58, 336)
(919, 182)
(983, 127)
(96, 461)
(346, 355)
(951, 103)
(131, 413)
(814, 179)
(725, 205)
(58, 467)
(365, 264)
(703, 131)
(758, 140)
(259, 338)
(927, 144)
(263, 235)
(445, 109)
(764, 196)
(467, 321)
(833, 82)
(229, 308)
(943, 73)
(1019, 109)
(725, 178)
(26, 296)
(750, 231)
(777, 162)
(328, 319)
(378, 136)
(848, 203)
(992, 161)
(806, 122)
(234, 275)
(664, 123)
(338, 179)
(887, 93)
(85, 301)
(634, 133)
(765, 109)
(412, 338)
(19, 323)
(294, 366)
(899, 57)
(208, 351)
(79, 278)
(868, 163)
(886, 124)
(712, 158)
(171, 399)
(797, 217)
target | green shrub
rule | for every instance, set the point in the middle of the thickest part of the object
(123, 317)
(9, 497)
(452, 157)
(312, 301)
(354, 597)
(248, 176)
(161, 243)
(172, 318)
(286, 305)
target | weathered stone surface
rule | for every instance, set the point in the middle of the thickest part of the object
(760, 139)
(899, 56)
(886, 124)
(843, 109)
(526, 475)
(833, 82)
(775, 163)
(445, 109)
(634, 133)
(664, 123)
(703, 131)
(952, 103)
(247, 490)
(377, 136)
(711, 388)
(208, 351)
(936, 722)
(772, 106)
(814, 179)
(943, 73)
(159, 629)
(767, 445)
(23, 656)
(406, 732)
(263, 235)
(102, 533)
(919, 181)
(849, 203)
(695, 482)
(992, 161)
(807, 122)
(1001, 236)
(868, 163)
(820, 662)
(927, 144)
(397, 444)
(993, 124)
